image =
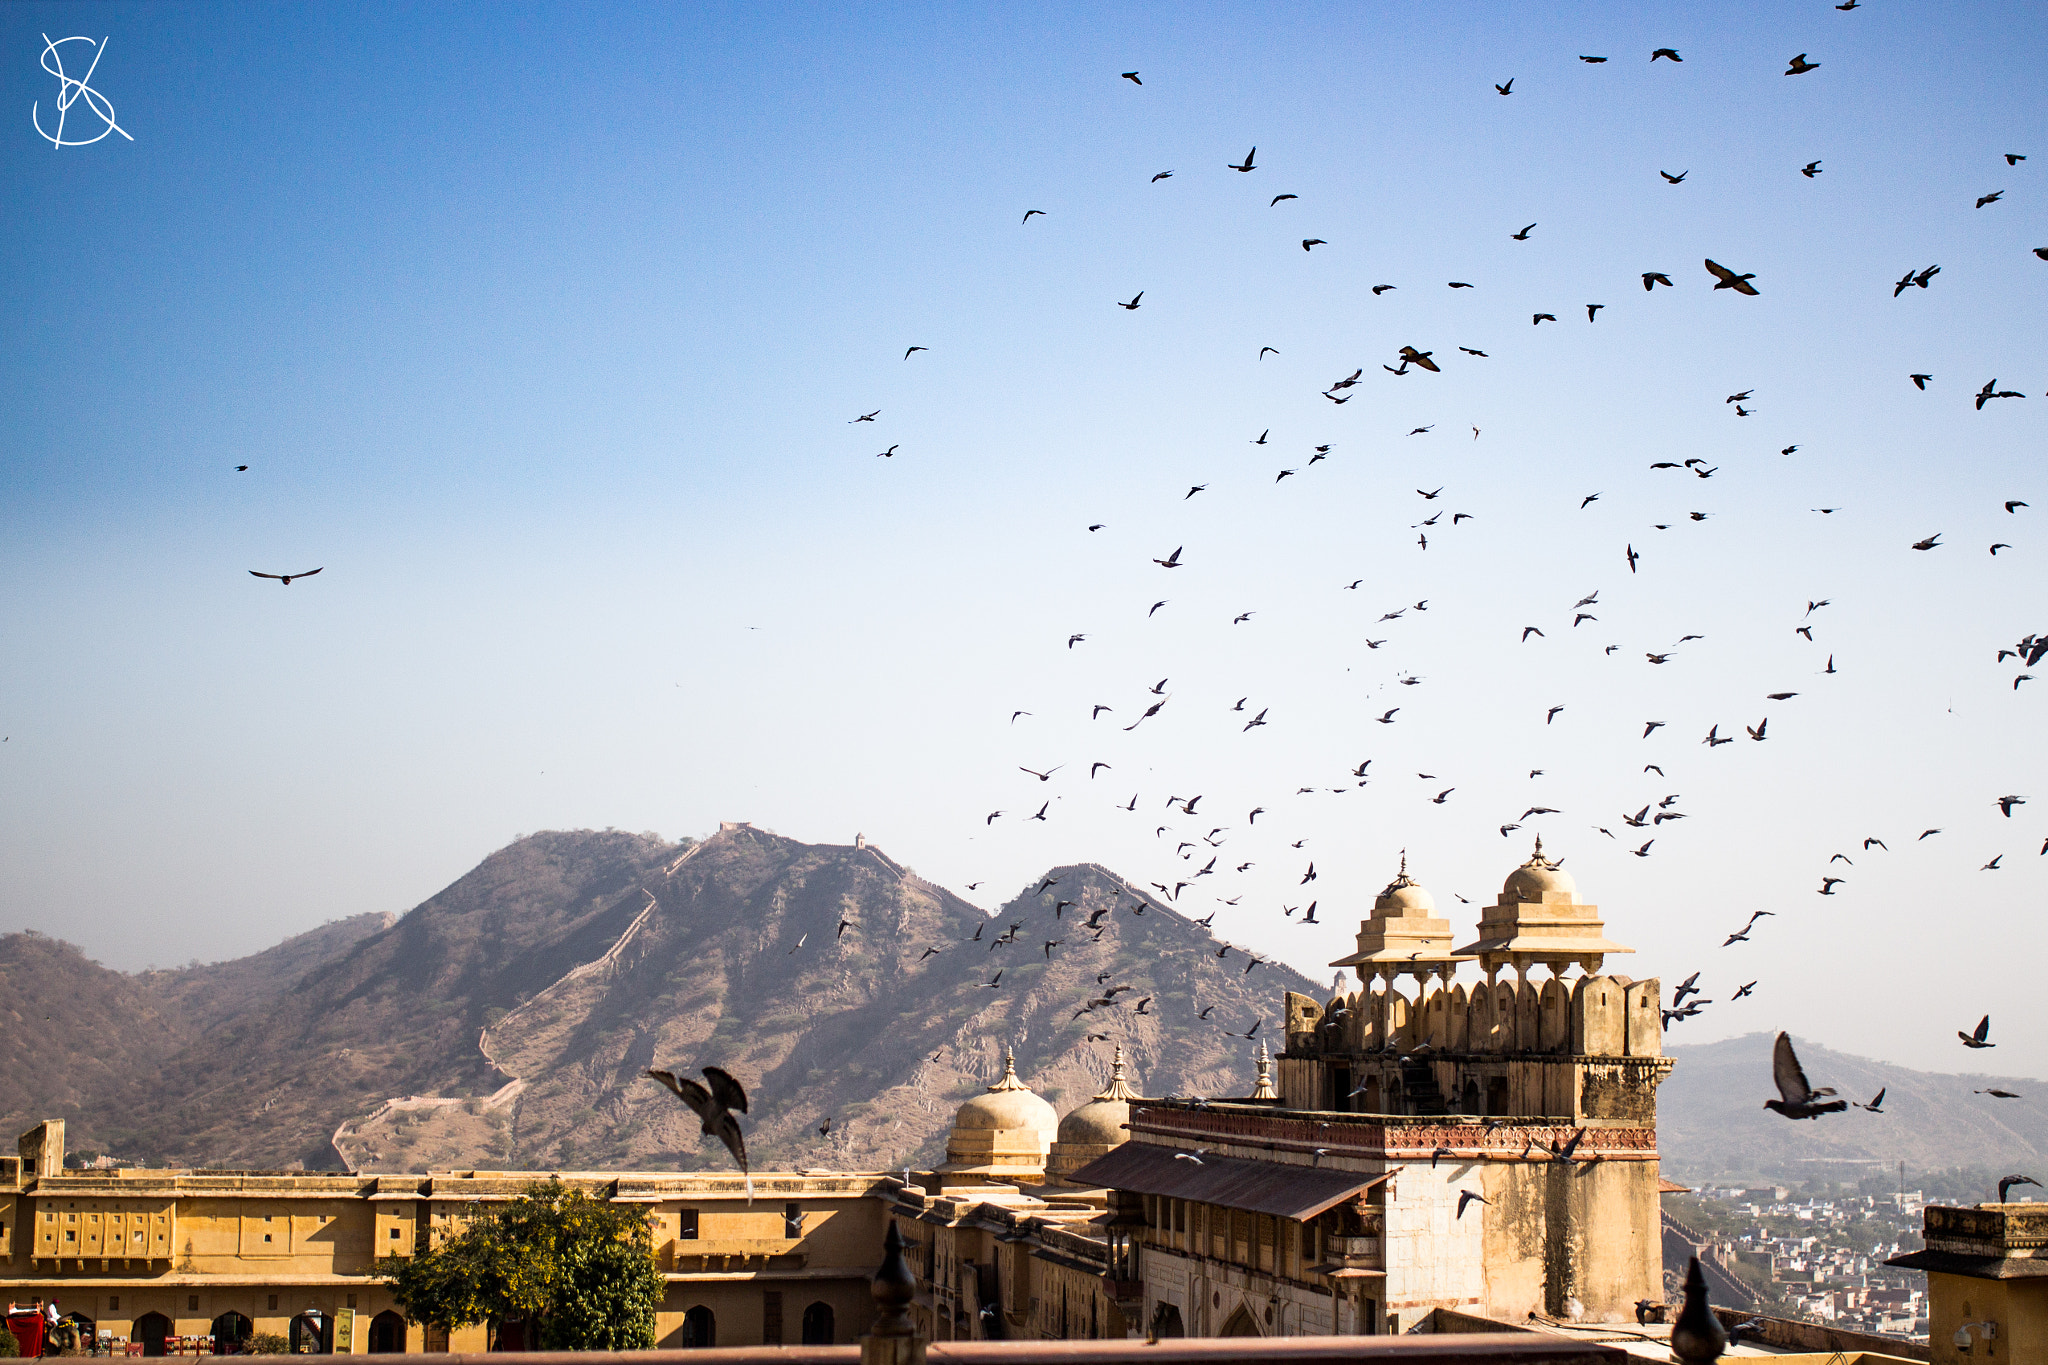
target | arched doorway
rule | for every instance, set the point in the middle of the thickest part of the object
(231, 1333)
(150, 1329)
(387, 1334)
(312, 1334)
(818, 1325)
(1240, 1324)
(700, 1327)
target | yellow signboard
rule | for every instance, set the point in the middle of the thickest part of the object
(345, 1343)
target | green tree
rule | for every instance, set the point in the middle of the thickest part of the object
(578, 1270)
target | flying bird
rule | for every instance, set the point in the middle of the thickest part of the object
(913, 350)
(1728, 279)
(1132, 77)
(1991, 198)
(2012, 1180)
(1278, 197)
(1133, 304)
(1653, 278)
(286, 578)
(1247, 166)
(1670, 52)
(716, 1107)
(1800, 66)
(1508, 88)
(1799, 1099)
(1521, 236)
(1674, 179)
(1308, 242)
(1979, 1036)
(1029, 212)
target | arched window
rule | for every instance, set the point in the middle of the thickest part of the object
(231, 1333)
(312, 1334)
(150, 1329)
(387, 1334)
(700, 1328)
(818, 1325)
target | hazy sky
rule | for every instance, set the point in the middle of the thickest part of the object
(541, 330)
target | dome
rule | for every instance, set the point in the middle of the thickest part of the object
(1403, 895)
(1008, 1105)
(1538, 878)
(1098, 1123)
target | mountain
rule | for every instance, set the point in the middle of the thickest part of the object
(508, 1020)
(1711, 1120)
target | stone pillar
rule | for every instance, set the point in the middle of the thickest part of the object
(893, 1340)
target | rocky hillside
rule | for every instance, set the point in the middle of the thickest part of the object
(1711, 1119)
(507, 1020)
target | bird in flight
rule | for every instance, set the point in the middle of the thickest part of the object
(1541, 318)
(1593, 308)
(1979, 1036)
(1278, 197)
(1798, 1099)
(866, 417)
(1163, 175)
(1045, 776)
(1670, 52)
(286, 578)
(1521, 236)
(2013, 1180)
(1592, 61)
(1029, 212)
(1308, 242)
(1132, 77)
(1991, 198)
(1132, 306)
(1508, 88)
(1928, 544)
(1800, 66)
(716, 1107)
(1728, 279)
(1674, 179)
(1264, 349)
(1653, 278)
(1172, 561)
(907, 354)
(1247, 166)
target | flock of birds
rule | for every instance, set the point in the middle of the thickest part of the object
(1196, 838)
(1197, 852)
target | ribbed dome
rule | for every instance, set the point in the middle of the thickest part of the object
(1538, 876)
(1008, 1104)
(1403, 894)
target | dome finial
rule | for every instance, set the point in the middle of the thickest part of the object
(1404, 862)
(1118, 1088)
(1264, 1090)
(1009, 1080)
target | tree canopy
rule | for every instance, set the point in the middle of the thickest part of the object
(579, 1271)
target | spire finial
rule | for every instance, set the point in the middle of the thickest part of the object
(1264, 1090)
(1118, 1088)
(1404, 862)
(1009, 1080)
(1538, 855)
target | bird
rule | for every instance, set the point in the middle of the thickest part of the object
(1653, 278)
(2014, 158)
(1674, 179)
(1508, 88)
(1800, 66)
(1551, 714)
(716, 1107)
(1132, 77)
(2009, 1181)
(1728, 279)
(286, 578)
(1172, 561)
(1978, 1037)
(1460, 284)
(1742, 991)
(1188, 1156)
(1482, 355)
(1644, 851)
(1278, 197)
(1045, 776)
(1876, 1105)
(241, 469)
(994, 983)
(2014, 503)
(1041, 813)
(1996, 1094)
(1592, 61)
(1632, 558)
(866, 417)
(1308, 242)
(1539, 319)
(914, 349)
(1521, 236)
(1264, 349)
(1421, 359)
(1593, 308)
(1247, 166)
(1073, 640)
(1380, 289)
(1928, 544)
(2006, 803)
(1920, 381)
(1756, 732)
(1163, 175)
(1133, 304)
(1799, 1100)
(1672, 53)
(1590, 497)
(1991, 198)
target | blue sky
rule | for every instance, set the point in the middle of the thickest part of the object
(541, 330)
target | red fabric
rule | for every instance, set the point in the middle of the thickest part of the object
(28, 1330)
